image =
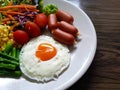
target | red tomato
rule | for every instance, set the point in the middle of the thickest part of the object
(21, 37)
(41, 20)
(32, 29)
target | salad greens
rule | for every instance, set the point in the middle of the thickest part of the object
(9, 56)
(49, 9)
(4, 3)
(22, 2)
(15, 14)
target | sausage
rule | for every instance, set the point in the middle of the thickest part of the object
(63, 37)
(68, 28)
(52, 22)
(64, 16)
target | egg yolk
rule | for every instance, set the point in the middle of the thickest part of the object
(46, 51)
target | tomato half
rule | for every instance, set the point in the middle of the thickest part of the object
(41, 20)
(21, 37)
(32, 29)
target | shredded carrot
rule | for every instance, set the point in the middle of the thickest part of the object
(11, 13)
(14, 13)
(13, 26)
(11, 17)
(4, 13)
(18, 6)
(11, 10)
(28, 10)
(5, 19)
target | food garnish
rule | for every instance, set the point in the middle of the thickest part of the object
(50, 9)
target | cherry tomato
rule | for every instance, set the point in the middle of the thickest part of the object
(21, 37)
(41, 20)
(32, 29)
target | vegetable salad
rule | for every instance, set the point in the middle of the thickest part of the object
(20, 20)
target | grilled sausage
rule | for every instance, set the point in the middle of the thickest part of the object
(63, 37)
(64, 16)
(52, 22)
(68, 28)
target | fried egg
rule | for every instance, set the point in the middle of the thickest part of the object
(44, 59)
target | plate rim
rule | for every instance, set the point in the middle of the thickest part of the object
(87, 64)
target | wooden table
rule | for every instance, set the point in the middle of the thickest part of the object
(104, 73)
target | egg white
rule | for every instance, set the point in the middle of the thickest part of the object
(40, 70)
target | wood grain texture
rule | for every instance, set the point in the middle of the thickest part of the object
(104, 73)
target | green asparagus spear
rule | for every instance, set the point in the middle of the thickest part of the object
(8, 56)
(8, 61)
(7, 66)
(6, 73)
(13, 52)
(8, 47)
(17, 53)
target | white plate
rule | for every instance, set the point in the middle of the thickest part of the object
(81, 57)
